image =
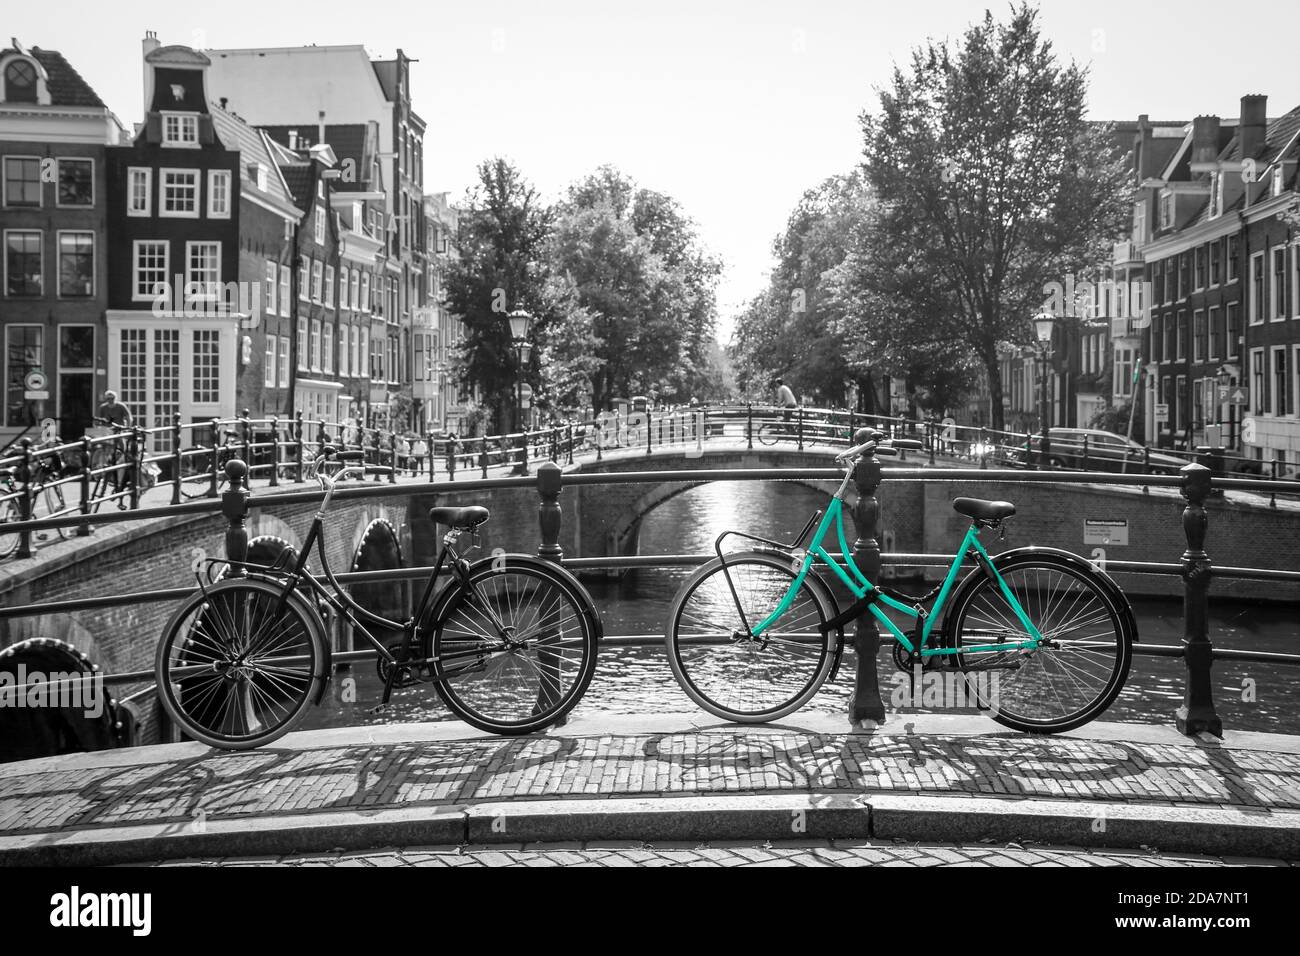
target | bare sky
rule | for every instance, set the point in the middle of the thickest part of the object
(733, 107)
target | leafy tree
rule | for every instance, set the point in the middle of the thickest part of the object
(991, 185)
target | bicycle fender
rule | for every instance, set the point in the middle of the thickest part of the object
(1127, 617)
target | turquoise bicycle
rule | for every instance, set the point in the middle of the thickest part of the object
(752, 635)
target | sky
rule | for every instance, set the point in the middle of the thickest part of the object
(732, 107)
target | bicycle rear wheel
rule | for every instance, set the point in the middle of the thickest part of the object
(9, 540)
(515, 650)
(1075, 674)
(723, 669)
(52, 496)
(768, 433)
(236, 666)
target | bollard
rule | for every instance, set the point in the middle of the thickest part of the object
(865, 704)
(1197, 713)
(83, 530)
(26, 504)
(234, 505)
(299, 450)
(550, 480)
(177, 459)
(275, 451)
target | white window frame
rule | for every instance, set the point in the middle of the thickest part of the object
(1258, 378)
(1277, 285)
(58, 171)
(1212, 316)
(304, 279)
(4, 180)
(268, 373)
(213, 293)
(1276, 402)
(315, 345)
(136, 295)
(184, 122)
(327, 348)
(318, 226)
(285, 289)
(284, 361)
(45, 287)
(301, 358)
(1165, 207)
(216, 176)
(1215, 246)
(317, 279)
(1256, 267)
(58, 271)
(268, 300)
(329, 287)
(163, 211)
(131, 173)
(344, 335)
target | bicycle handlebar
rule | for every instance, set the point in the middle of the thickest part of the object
(880, 445)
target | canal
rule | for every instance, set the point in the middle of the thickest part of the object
(635, 680)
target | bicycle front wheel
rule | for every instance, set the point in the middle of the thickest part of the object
(52, 495)
(724, 669)
(1078, 669)
(514, 646)
(768, 433)
(238, 665)
(9, 540)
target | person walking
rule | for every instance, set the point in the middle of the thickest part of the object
(117, 417)
(419, 448)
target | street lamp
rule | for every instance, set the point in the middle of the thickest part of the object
(1226, 376)
(1044, 324)
(519, 323)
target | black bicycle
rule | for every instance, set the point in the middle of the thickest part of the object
(47, 499)
(509, 641)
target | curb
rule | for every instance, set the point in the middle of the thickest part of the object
(1183, 829)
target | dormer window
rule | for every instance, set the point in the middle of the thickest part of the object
(181, 129)
(257, 173)
(1277, 180)
(1216, 195)
(1166, 209)
(20, 82)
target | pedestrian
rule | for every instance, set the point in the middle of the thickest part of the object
(785, 399)
(453, 444)
(118, 417)
(403, 461)
(419, 448)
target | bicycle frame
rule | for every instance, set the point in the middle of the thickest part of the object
(861, 588)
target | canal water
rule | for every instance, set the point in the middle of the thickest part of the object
(636, 680)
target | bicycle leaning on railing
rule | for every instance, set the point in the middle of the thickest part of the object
(752, 635)
(510, 641)
(46, 496)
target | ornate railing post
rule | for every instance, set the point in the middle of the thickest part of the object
(749, 424)
(26, 504)
(799, 426)
(214, 465)
(137, 465)
(299, 448)
(275, 451)
(483, 456)
(392, 454)
(984, 449)
(649, 430)
(451, 460)
(234, 505)
(244, 429)
(550, 480)
(570, 443)
(1197, 714)
(83, 530)
(178, 460)
(865, 704)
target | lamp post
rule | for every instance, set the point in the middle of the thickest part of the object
(1226, 377)
(519, 323)
(1044, 323)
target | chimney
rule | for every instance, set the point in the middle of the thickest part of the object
(148, 45)
(223, 102)
(1254, 121)
(320, 128)
(1205, 139)
(293, 140)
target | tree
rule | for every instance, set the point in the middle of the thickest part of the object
(991, 186)
(503, 231)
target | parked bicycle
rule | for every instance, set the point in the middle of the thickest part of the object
(112, 461)
(752, 635)
(509, 641)
(47, 499)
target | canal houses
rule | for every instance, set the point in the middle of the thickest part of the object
(54, 134)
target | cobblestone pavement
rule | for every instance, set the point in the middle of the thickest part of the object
(38, 797)
(792, 853)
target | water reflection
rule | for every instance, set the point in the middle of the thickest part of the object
(638, 680)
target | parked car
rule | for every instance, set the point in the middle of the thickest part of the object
(1105, 451)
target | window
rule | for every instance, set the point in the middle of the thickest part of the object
(1123, 372)
(1171, 277)
(315, 345)
(1257, 288)
(139, 193)
(1183, 275)
(327, 348)
(1155, 338)
(202, 270)
(1216, 333)
(302, 342)
(317, 274)
(1182, 411)
(207, 367)
(180, 193)
(1181, 353)
(1277, 284)
(420, 360)
(181, 129)
(268, 372)
(1166, 209)
(1216, 262)
(284, 361)
(329, 286)
(151, 260)
(1234, 258)
(20, 82)
(320, 226)
(1283, 402)
(343, 350)
(24, 268)
(304, 290)
(359, 369)
(284, 291)
(1232, 350)
(270, 288)
(1200, 336)
(1258, 382)
(76, 182)
(24, 352)
(218, 194)
(1199, 268)
(76, 264)
(365, 292)
(22, 175)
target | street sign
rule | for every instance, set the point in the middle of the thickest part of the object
(1162, 412)
(35, 381)
(1105, 531)
(1238, 396)
(33, 395)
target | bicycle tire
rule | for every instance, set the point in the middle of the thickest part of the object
(55, 505)
(210, 636)
(534, 598)
(9, 541)
(788, 669)
(768, 433)
(1060, 596)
